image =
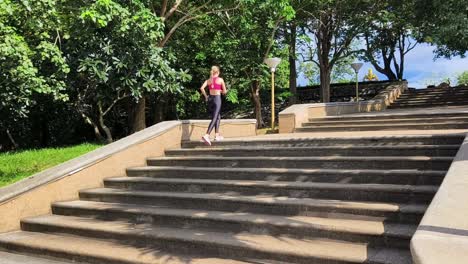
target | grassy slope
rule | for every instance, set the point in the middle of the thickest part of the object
(18, 165)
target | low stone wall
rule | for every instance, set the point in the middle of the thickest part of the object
(293, 116)
(442, 235)
(34, 195)
(344, 92)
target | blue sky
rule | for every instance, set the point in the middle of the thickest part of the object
(421, 68)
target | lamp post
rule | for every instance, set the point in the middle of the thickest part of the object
(357, 66)
(272, 64)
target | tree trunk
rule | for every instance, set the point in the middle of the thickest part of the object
(325, 80)
(90, 122)
(324, 38)
(12, 140)
(292, 64)
(160, 108)
(44, 138)
(139, 115)
(106, 129)
(255, 93)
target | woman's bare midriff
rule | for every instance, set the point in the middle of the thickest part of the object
(215, 92)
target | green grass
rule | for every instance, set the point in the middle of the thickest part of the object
(15, 166)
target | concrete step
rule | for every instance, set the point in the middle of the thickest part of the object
(389, 115)
(440, 91)
(414, 150)
(455, 94)
(337, 191)
(372, 230)
(411, 176)
(389, 126)
(431, 103)
(261, 204)
(455, 98)
(425, 104)
(12, 258)
(387, 121)
(327, 162)
(448, 139)
(225, 244)
(434, 95)
(97, 251)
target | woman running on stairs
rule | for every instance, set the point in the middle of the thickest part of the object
(216, 86)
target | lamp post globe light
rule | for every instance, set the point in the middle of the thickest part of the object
(272, 64)
(357, 66)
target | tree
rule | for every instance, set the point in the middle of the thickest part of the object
(30, 59)
(443, 23)
(388, 38)
(249, 38)
(174, 14)
(334, 25)
(342, 72)
(462, 78)
(116, 56)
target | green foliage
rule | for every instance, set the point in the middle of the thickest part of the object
(116, 47)
(15, 166)
(388, 36)
(443, 23)
(237, 41)
(462, 78)
(30, 59)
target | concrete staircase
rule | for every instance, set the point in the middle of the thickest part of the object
(432, 97)
(433, 119)
(330, 200)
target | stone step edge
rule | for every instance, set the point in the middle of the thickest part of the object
(325, 121)
(308, 125)
(437, 173)
(266, 201)
(224, 240)
(339, 140)
(323, 158)
(391, 188)
(86, 254)
(384, 115)
(242, 218)
(337, 147)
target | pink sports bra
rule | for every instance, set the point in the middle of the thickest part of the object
(214, 85)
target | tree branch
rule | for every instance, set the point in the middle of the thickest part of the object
(163, 8)
(172, 10)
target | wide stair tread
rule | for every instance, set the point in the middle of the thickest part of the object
(390, 124)
(278, 247)
(88, 250)
(13, 258)
(342, 223)
(264, 200)
(345, 162)
(282, 184)
(255, 150)
(388, 176)
(340, 141)
(393, 119)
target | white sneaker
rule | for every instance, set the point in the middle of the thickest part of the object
(207, 140)
(219, 138)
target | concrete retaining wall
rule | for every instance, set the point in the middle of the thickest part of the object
(442, 235)
(33, 196)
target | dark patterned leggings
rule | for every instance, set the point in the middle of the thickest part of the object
(214, 108)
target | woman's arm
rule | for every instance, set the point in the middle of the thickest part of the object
(202, 89)
(224, 87)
